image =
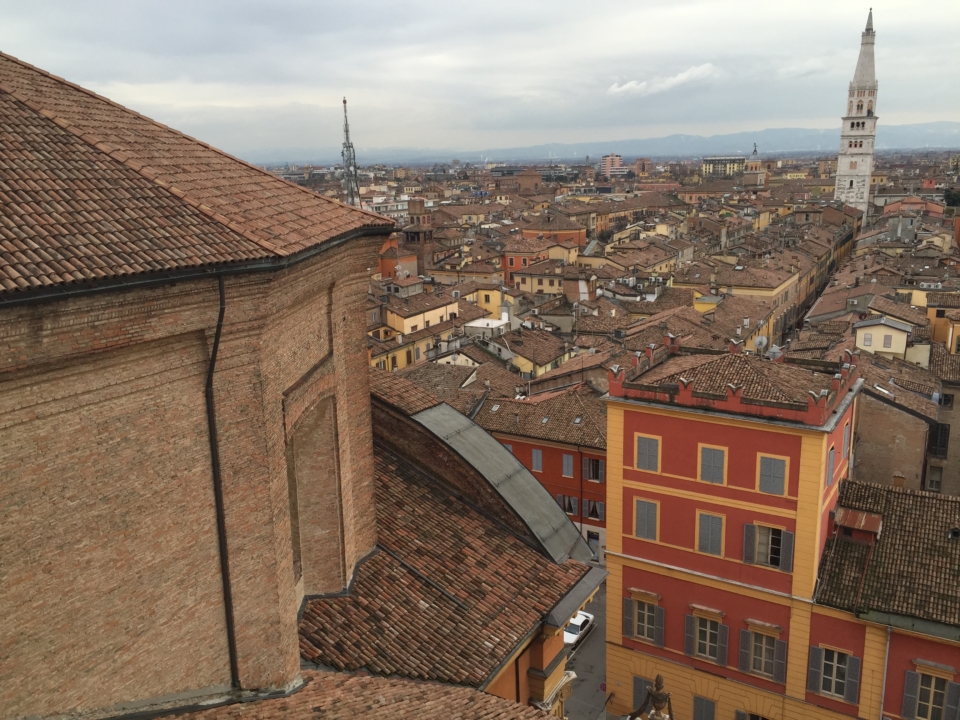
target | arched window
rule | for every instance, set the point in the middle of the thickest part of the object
(851, 183)
(860, 107)
(852, 125)
(850, 108)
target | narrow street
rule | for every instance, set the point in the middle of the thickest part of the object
(590, 663)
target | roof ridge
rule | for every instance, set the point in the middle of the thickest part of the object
(120, 155)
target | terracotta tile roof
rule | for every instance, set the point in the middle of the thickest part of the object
(436, 602)
(342, 696)
(669, 298)
(573, 416)
(455, 385)
(90, 190)
(943, 300)
(538, 346)
(400, 392)
(761, 379)
(900, 311)
(944, 365)
(912, 569)
(419, 303)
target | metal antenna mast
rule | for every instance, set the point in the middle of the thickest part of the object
(351, 185)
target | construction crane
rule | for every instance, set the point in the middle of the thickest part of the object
(351, 185)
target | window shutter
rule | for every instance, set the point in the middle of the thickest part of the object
(786, 551)
(658, 626)
(602, 471)
(911, 687)
(560, 500)
(629, 605)
(586, 508)
(740, 715)
(600, 510)
(689, 634)
(652, 521)
(697, 708)
(780, 662)
(640, 519)
(745, 640)
(640, 686)
(814, 669)
(723, 637)
(574, 502)
(851, 691)
(704, 544)
(585, 469)
(749, 543)
(952, 709)
(703, 709)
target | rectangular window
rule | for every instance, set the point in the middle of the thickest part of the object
(648, 454)
(409, 357)
(539, 281)
(417, 353)
(762, 654)
(888, 341)
(711, 465)
(769, 543)
(646, 620)
(833, 679)
(486, 299)
(773, 475)
(931, 700)
(510, 261)
(593, 509)
(934, 478)
(831, 459)
(569, 504)
(846, 440)
(537, 460)
(646, 520)
(567, 465)
(594, 470)
(867, 339)
(524, 262)
(708, 637)
(711, 534)
(939, 439)
(704, 709)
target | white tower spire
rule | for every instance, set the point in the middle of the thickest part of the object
(859, 129)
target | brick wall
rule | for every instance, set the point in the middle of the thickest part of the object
(888, 441)
(111, 576)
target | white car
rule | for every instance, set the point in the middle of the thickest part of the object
(578, 628)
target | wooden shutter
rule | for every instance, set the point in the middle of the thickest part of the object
(814, 669)
(780, 661)
(652, 521)
(640, 518)
(602, 477)
(786, 551)
(723, 637)
(749, 543)
(745, 640)
(585, 469)
(586, 508)
(574, 502)
(740, 715)
(640, 686)
(629, 606)
(704, 543)
(658, 626)
(952, 709)
(911, 687)
(600, 510)
(772, 475)
(560, 500)
(851, 691)
(703, 709)
(689, 634)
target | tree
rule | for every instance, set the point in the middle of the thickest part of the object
(952, 197)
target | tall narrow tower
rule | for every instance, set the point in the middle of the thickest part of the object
(859, 130)
(351, 185)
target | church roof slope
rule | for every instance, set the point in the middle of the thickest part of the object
(94, 192)
(436, 602)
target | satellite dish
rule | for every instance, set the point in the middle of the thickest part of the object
(760, 343)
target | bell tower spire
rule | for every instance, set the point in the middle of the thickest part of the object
(859, 129)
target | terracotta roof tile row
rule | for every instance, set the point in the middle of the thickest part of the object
(340, 696)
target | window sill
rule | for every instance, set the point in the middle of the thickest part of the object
(597, 482)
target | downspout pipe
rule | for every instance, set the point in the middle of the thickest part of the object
(218, 493)
(886, 659)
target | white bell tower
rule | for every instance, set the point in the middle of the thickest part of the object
(859, 129)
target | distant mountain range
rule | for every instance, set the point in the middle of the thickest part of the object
(932, 136)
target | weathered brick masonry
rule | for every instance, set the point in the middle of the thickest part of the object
(111, 572)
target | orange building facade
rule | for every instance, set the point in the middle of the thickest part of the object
(722, 510)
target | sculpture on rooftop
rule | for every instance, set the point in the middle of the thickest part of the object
(655, 702)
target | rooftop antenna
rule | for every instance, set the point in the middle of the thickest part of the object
(351, 185)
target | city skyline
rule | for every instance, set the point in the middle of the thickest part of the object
(254, 79)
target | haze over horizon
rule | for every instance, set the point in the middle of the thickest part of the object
(257, 77)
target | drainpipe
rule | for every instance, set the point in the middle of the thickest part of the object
(886, 659)
(218, 493)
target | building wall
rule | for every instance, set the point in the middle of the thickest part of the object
(889, 441)
(105, 430)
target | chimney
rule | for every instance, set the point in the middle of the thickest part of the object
(399, 338)
(746, 323)
(736, 346)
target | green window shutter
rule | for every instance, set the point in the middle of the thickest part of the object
(772, 475)
(911, 687)
(629, 605)
(814, 669)
(851, 690)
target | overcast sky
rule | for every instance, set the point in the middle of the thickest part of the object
(258, 77)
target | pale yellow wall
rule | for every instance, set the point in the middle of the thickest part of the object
(406, 324)
(898, 341)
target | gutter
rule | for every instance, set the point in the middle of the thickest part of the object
(218, 494)
(917, 625)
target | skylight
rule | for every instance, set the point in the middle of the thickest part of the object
(495, 408)
(544, 421)
(577, 420)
